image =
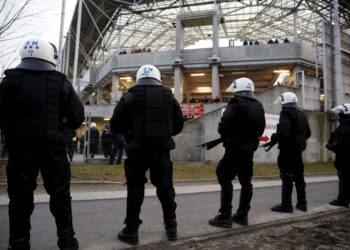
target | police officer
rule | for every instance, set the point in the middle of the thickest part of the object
(118, 142)
(106, 138)
(242, 123)
(71, 142)
(94, 139)
(37, 103)
(148, 115)
(339, 143)
(292, 132)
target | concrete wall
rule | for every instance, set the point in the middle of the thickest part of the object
(345, 56)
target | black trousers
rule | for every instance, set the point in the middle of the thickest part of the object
(341, 163)
(291, 166)
(107, 149)
(25, 162)
(235, 162)
(117, 149)
(161, 174)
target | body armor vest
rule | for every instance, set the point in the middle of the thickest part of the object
(298, 130)
(33, 99)
(248, 121)
(153, 107)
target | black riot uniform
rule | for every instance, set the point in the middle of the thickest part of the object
(242, 123)
(339, 143)
(36, 106)
(118, 142)
(106, 138)
(71, 142)
(148, 115)
(292, 133)
(94, 140)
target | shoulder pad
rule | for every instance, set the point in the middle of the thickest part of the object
(128, 97)
(60, 74)
(13, 72)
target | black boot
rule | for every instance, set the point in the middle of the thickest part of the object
(129, 235)
(341, 200)
(339, 203)
(301, 206)
(283, 208)
(240, 218)
(223, 219)
(21, 244)
(287, 189)
(171, 230)
(301, 194)
(67, 241)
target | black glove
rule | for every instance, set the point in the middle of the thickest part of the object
(267, 146)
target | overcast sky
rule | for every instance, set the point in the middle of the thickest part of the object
(41, 19)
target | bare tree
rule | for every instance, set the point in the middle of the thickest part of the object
(10, 13)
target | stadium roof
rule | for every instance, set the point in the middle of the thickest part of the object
(109, 26)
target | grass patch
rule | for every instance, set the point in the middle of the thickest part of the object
(183, 171)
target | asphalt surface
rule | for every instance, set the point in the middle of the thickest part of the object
(97, 222)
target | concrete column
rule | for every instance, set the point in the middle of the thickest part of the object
(99, 98)
(67, 54)
(116, 94)
(338, 96)
(302, 86)
(179, 43)
(215, 81)
(60, 44)
(76, 52)
(178, 73)
(215, 35)
(178, 83)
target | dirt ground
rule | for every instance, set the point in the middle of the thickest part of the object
(328, 232)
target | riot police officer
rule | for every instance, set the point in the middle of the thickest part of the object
(37, 103)
(339, 143)
(148, 115)
(106, 138)
(94, 139)
(292, 132)
(241, 125)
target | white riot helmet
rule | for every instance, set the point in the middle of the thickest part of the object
(241, 84)
(287, 99)
(93, 125)
(148, 71)
(342, 109)
(242, 87)
(38, 54)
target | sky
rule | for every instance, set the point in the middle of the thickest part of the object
(42, 18)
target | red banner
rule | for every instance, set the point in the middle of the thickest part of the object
(196, 109)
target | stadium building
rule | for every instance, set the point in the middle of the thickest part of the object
(201, 46)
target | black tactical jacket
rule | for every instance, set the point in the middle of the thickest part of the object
(242, 123)
(148, 115)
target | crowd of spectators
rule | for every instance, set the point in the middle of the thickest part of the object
(256, 42)
(204, 100)
(270, 41)
(136, 50)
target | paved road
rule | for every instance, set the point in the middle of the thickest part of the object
(97, 221)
